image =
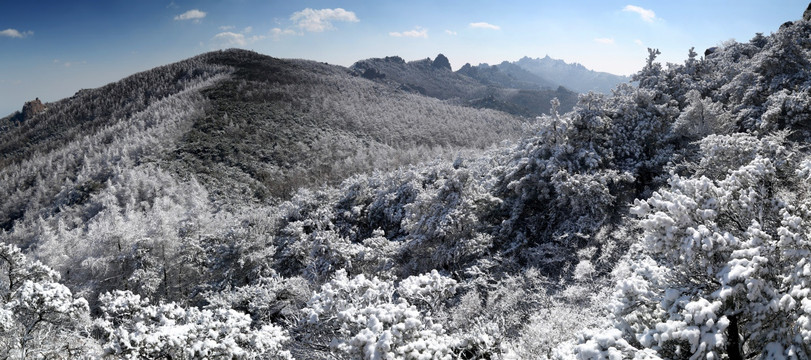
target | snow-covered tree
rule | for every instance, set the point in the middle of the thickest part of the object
(702, 117)
(649, 76)
(135, 329)
(371, 318)
(39, 317)
(443, 222)
(723, 267)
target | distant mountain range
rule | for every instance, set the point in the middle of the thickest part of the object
(511, 90)
(523, 87)
(572, 76)
(507, 75)
(543, 73)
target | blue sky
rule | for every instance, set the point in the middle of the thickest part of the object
(51, 49)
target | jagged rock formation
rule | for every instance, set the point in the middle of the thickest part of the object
(807, 13)
(32, 108)
(441, 62)
(372, 74)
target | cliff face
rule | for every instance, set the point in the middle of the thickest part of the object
(32, 108)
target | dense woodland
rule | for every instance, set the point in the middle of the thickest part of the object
(668, 219)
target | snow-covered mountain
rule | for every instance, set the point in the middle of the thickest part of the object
(434, 78)
(669, 219)
(573, 76)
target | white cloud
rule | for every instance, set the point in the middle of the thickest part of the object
(639, 42)
(418, 32)
(320, 20)
(607, 41)
(646, 14)
(277, 33)
(484, 25)
(14, 33)
(230, 28)
(193, 14)
(449, 32)
(68, 64)
(229, 39)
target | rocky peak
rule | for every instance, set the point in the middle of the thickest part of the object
(807, 13)
(394, 59)
(32, 108)
(441, 62)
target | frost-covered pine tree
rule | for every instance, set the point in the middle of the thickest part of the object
(723, 270)
(39, 317)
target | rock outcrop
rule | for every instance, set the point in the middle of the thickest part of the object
(32, 108)
(441, 62)
(372, 73)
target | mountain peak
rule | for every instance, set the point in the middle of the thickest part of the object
(441, 62)
(395, 59)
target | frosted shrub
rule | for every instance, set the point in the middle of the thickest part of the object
(607, 344)
(371, 319)
(444, 223)
(266, 299)
(431, 289)
(584, 270)
(551, 332)
(133, 329)
(701, 117)
(38, 315)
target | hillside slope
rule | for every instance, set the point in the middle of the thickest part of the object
(282, 124)
(250, 127)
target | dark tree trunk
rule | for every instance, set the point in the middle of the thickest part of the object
(734, 339)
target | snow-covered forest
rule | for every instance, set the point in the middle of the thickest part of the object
(155, 218)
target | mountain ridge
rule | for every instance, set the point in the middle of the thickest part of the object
(464, 86)
(252, 127)
(574, 76)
